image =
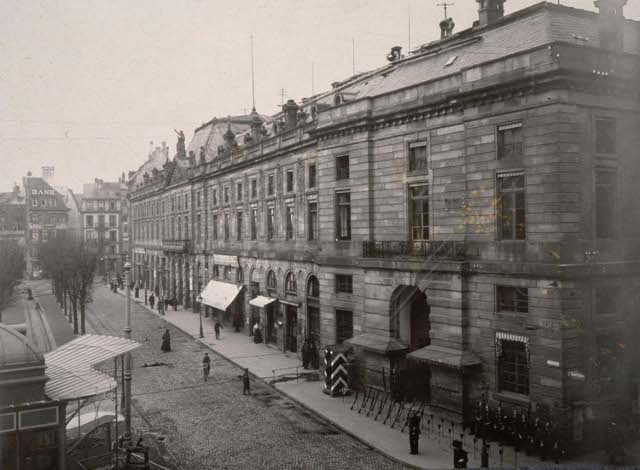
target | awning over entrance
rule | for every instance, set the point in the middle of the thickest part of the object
(377, 343)
(447, 357)
(220, 294)
(70, 367)
(261, 301)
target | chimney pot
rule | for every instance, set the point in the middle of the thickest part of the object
(490, 11)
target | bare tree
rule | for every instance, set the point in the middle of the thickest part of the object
(11, 270)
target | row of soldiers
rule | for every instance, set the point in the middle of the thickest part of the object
(535, 433)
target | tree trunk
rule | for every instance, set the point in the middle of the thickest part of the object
(82, 315)
(64, 301)
(75, 316)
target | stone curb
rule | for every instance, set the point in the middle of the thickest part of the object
(274, 387)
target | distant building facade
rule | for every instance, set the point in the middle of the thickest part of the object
(104, 221)
(13, 215)
(463, 216)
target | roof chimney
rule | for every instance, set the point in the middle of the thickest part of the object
(290, 109)
(490, 11)
(48, 173)
(611, 23)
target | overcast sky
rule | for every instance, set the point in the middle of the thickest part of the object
(85, 85)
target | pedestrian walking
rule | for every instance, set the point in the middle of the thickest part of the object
(206, 366)
(217, 327)
(38, 306)
(460, 457)
(152, 300)
(174, 303)
(246, 384)
(257, 334)
(160, 305)
(166, 342)
(137, 291)
(414, 433)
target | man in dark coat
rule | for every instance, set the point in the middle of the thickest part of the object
(460, 457)
(217, 327)
(206, 366)
(246, 385)
(174, 302)
(152, 300)
(414, 433)
(166, 342)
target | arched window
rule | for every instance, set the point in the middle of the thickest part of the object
(290, 283)
(240, 276)
(313, 288)
(227, 272)
(272, 284)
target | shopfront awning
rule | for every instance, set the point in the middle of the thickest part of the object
(70, 368)
(445, 357)
(377, 343)
(261, 301)
(220, 294)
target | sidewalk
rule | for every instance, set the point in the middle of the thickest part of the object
(435, 451)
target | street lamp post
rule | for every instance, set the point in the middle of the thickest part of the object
(199, 299)
(128, 360)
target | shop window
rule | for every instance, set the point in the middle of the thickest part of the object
(513, 367)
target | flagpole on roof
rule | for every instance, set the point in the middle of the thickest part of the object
(253, 86)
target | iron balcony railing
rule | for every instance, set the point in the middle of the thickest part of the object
(453, 250)
(180, 246)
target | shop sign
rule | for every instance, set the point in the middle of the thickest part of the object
(576, 375)
(40, 417)
(551, 363)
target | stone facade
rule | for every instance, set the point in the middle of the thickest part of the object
(489, 215)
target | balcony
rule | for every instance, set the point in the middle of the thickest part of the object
(177, 246)
(451, 250)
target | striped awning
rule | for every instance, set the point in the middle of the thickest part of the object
(70, 368)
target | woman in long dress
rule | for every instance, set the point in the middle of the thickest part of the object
(166, 342)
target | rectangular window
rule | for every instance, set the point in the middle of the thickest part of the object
(34, 202)
(214, 196)
(344, 283)
(313, 221)
(100, 204)
(226, 226)
(113, 235)
(90, 221)
(342, 167)
(186, 202)
(343, 216)
(605, 204)
(112, 221)
(239, 191)
(215, 226)
(511, 206)
(418, 156)
(198, 227)
(607, 299)
(513, 367)
(254, 189)
(112, 205)
(226, 194)
(289, 223)
(270, 223)
(607, 363)
(198, 196)
(270, 185)
(101, 220)
(512, 299)
(605, 136)
(419, 212)
(344, 325)
(254, 224)
(510, 141)
(312, 175)
(289, 181)
(239, 225)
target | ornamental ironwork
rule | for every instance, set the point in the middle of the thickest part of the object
(454, 250)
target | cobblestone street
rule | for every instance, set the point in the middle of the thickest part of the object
(212, 425)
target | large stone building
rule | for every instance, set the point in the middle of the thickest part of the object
(464, 215)
(104, 221)
(13, 215)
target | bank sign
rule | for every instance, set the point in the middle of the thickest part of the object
(43, 192)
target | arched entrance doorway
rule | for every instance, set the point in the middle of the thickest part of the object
(409, 323)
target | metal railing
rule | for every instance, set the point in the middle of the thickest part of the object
(286, 368)
(181, 246)
(454, 250)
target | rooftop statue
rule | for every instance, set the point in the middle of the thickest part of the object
(180, 146)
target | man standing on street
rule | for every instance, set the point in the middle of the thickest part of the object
(206, 366)
(160, 305)
(414, 433)
(217, 327)
(152, 300)
(246, 385)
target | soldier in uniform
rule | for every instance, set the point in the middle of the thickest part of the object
(414, 433)
(460, 457)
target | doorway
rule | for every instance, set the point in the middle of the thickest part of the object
(272, 330)
(291, 337)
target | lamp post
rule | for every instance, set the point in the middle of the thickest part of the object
(206, 280)
(127, 362)
(199, 299)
